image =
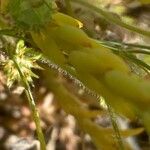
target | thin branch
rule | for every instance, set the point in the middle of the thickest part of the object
(33, 108)
(115, 127)
(112, 19)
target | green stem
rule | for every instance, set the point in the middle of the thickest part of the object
(127, 54)
(121, 44)
(111, 18)
(33, 108)
(139, 52)
(36, 118)
(136, 60)
(115, 127)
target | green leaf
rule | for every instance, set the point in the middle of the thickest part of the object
(30, 14)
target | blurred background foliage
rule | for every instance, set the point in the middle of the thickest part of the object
(71, 115)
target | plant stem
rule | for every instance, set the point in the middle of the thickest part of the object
(139, 52)
(115, 127)
(36, 118)
(127, 54)
(136, 60)
(121, 44)
(33, 108)
(111, 18)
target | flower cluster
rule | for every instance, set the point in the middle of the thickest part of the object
(26, 60)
